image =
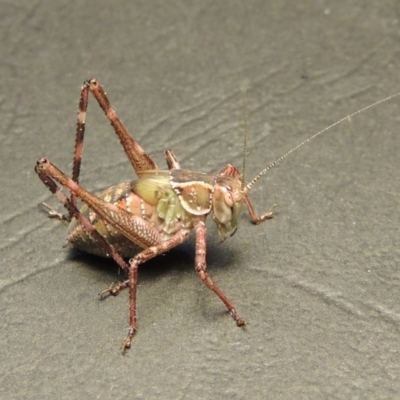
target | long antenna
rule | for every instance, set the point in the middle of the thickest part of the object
(246, 130)
(273, 164)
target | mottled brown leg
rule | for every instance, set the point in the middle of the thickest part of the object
(172, 161)
(138, 158)
(134, 263)
(115, 289)
(51, 213)
(254, 217)
(201, 267)
(133, 227)
(86, 224)
(80, 134)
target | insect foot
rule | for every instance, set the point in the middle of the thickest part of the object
(114, 290)
(127, 342)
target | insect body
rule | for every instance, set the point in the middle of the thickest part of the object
(151, 215)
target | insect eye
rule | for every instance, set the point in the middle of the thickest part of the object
(228, 197)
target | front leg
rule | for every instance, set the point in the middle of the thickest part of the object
(230, 170)
(201, 269)
(254, 217)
